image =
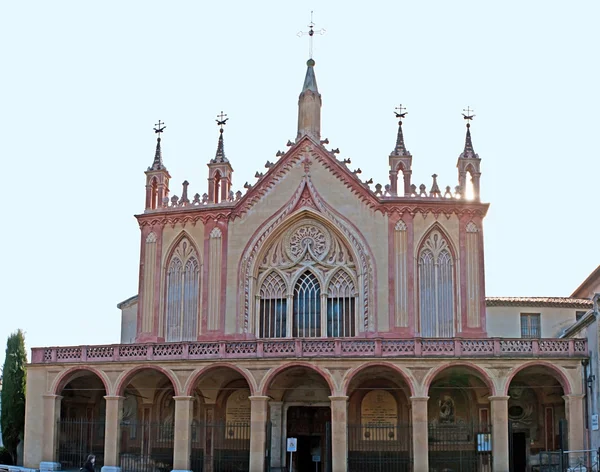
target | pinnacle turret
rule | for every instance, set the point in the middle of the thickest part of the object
(469, 152)
(400, 159)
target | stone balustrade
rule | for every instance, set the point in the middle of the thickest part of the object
(314, 348)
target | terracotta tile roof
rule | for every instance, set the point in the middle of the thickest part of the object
(552, 302)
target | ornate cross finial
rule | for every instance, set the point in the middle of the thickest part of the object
(468, 116)
(401, 113)
(311, 32)
(160, 127)
(221, 120)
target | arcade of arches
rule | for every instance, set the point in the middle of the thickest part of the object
(221, 416)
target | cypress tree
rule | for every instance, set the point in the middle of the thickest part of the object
(14, 372)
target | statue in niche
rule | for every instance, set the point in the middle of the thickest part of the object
(447, 409)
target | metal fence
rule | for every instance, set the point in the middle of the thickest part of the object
(77, 438)
(460, 448)
(379, 448)
(220, 447)
(569, 461)
(146, 447)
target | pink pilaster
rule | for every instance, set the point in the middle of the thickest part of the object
(462, 287)
(410, 269)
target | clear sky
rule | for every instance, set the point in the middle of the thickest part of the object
(82, 84)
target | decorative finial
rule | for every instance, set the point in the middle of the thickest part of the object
(400, 113)
(468, 152)
(160, 127)
(468, 116)
(311, 32)
(400, 149)
(157, 164)
(221, 120)
(220, 155)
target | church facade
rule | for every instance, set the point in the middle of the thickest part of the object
(312, 306)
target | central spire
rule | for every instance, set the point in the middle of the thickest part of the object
(309, 103)
(309, 106)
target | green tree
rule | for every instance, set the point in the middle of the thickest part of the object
(12, 415)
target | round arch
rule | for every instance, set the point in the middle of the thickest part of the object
(65, 377)
(479, 372)
(352, 374)
(553, 369)
(126, 377)
(272, 375)
(193, 379)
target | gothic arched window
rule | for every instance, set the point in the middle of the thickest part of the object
(183, 288)
(307, 307)
(436, 288)
(273, 307)
(341, 305)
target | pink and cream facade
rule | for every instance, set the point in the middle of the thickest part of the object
(311, 306)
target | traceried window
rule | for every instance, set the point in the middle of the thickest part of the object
(341, 304)
(307, 285)
(183, 288)
(530, 325)
(273, 307)
(307, 307)
(436, 288)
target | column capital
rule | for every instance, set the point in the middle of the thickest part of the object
(340, 398)
(418, 399)
(183, 398)
(573, 396)
(52, 395)
(113, 397)
(259, 398)
(499, 398)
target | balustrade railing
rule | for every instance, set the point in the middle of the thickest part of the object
(307, 348)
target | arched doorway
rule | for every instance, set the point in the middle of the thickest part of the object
(299, 407)
(458, 412)
(147, 423)
(220, 420)
(536, 415)
(379, 427)
(81, 424)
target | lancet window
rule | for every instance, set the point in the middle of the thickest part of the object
(183, 289)
(307, 285)
(436, 287)
(273, 307)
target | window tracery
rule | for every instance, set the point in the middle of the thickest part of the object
(183, 288)
(307, 285)
(436, 287)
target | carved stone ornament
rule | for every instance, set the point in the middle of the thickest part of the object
(308, 236)
(215, 233)
(400, 226)
(151, 238)
(472, 227)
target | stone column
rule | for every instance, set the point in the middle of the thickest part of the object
(276, 416)
(339, 434)
(50, 437)
(258, 432)
(500, 451)
(182, 442)
(420, 434)
(209, 446)
(112, 433)
(575, 420)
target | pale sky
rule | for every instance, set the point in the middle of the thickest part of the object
(83, 83)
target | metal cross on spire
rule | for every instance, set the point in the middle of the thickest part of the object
(221, 120)
(401, 113)
(468, 116)
(311, 32)
(160, 127)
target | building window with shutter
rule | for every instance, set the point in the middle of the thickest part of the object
(530, 325)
